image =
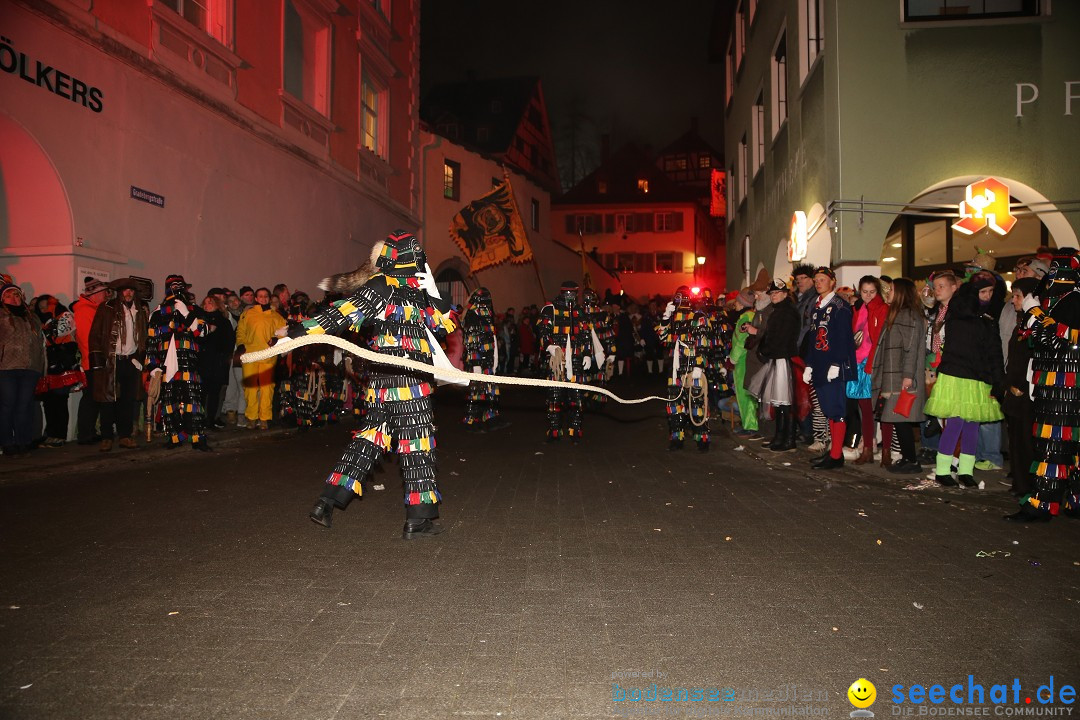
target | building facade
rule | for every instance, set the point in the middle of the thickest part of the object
(232, 141)
(854, 129)
(654, 233)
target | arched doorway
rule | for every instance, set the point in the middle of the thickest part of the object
(922, 239)
(450, 278)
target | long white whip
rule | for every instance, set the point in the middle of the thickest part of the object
(284, 346)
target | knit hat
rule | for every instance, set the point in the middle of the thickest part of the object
(92, 285)
(8, 286)
(746, 297)
(245, 289)
(825, 270)
(1026, 286)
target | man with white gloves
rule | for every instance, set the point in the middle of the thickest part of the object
(686, 332)
(830, 362)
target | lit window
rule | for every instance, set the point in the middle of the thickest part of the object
(811, 34)
(779, 84)
(757, 127)
(451, 180)
(601, 187)
(643, 185)
(704, 162)
(307, 55)
(210, 16)
(680, 162)
(667, 262)
(372, 103)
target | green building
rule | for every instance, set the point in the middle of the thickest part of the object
(854, 129)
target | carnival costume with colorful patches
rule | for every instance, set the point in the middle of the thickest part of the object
(719, 345)
(313, 392)
(407, 316)
(1053, 326)
(687, 333)
(481, 356)
(830, 361)
(563, 330)
(171, 349)
(602, 336)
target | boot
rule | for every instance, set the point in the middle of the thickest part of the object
(419, 528)
(867, 455)
(785, 430)
(323, 512)
(886, 457)
(778, 434)
(106, 445)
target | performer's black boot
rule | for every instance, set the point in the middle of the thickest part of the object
(332, 495)
(420, 528)
(1028, 514)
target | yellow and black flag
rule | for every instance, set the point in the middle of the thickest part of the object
(489, 231)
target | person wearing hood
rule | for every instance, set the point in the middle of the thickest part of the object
(173, 356)
(117, 353)
(63, 372)
(22, 362)
(94, 293)
(255, 332)
(970, 377)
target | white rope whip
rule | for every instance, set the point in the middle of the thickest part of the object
(284, 346)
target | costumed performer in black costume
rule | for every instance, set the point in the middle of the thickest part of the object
(172, 351)
(563, 331)
(1053, 326)
(602, 347)
(399, 298)
(481, 356)
(688, 333)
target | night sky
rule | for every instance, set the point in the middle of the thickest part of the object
(635, 70)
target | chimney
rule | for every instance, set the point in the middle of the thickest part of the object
(605, 147)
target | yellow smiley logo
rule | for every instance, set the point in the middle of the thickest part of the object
(862, 693)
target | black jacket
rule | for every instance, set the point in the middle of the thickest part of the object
(781, 336)
(972, 347)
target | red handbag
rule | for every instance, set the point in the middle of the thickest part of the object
(904, 403)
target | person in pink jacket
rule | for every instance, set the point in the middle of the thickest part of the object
(869, 315)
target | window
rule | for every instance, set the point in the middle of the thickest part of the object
(743, 172)
(643, 185)
(778, 75)
(372, 104)
(918, 10)
(306, 68)
(730, 192)
(704, 162)
(668, 221)
(624, 222)
(624, 262)
(740, 34)
(210, 16)
(449, 130)
(667, 262)
(757, 129)
(811, 34)
(584, 224)
(535, 214)
(601, 187)
(451, 180)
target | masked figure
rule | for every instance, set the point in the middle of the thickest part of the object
(563, 331)
(481, 355)
(1052, 325)
(687, 334)
(394, 293)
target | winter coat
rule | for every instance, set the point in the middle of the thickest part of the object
(22, 344)
(831, 342)
(972, 348)
(84, 310)
(256, 328)
(781, 335)
(61, 350)
(104, 332)
(900, 355)
(216, 349)
(1016, 367)
(876, 312)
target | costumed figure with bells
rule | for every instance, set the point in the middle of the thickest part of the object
(688, 334)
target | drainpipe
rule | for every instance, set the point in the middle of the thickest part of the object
(435, 145)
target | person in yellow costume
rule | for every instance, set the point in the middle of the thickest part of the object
(255, 332)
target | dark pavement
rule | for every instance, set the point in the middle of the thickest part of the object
(181, 585)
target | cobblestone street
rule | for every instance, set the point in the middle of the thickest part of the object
(193, 586)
